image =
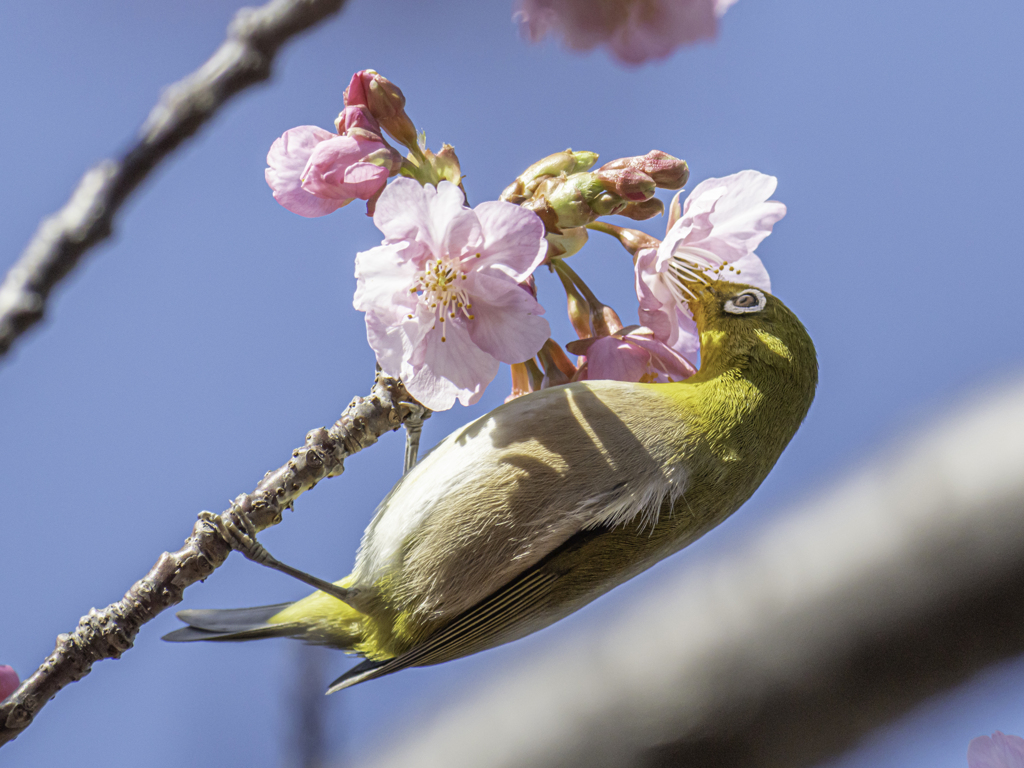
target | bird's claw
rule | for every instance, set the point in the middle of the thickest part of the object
(243, 541)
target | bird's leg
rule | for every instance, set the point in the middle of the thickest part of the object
(245, 542)
(413, 427)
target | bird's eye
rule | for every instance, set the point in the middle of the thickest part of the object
(751, 300)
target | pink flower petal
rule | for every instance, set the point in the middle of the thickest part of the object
(450, 369)
(355, 94)
(357, 117)
(420, 287)
(505, 320)
(335, 170)
(670, 322)
(748, 270)
(655, 29)
(514, 239)
(286, 163)
(407, 210)
(998, 751)
(634, 30)
(635, 357)
(8, 681)
(384, 275)
(738, 211)
(613, 358)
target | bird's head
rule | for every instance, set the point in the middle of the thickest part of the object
(740, 323)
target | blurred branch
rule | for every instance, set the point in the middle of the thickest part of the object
(905, 580)
(242, 60)
(305, 710)
(108, 633)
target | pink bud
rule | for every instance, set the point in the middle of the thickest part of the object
(668, 172)
(342, 168)
(628, 183)
(8, 681)
(356, 93)
(645, 209)
(356, 117)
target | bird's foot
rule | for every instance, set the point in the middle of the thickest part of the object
(244, 541)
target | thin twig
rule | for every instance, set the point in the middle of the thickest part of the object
(243, 59)
(108, 633)
(905, 580)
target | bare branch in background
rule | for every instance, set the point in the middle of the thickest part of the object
(905, 580)
(305, 741)
(108, 633)
(242, 60)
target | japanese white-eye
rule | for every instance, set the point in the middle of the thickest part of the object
(533, 510)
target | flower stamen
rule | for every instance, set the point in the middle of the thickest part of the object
(441, 288)
(691, 265)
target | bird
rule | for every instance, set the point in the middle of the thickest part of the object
(535, 509)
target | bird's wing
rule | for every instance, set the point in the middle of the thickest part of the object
(500, 495)
(505, 615)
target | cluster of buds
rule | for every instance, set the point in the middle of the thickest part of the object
(567, 196)
(313, 172)
(449, 294)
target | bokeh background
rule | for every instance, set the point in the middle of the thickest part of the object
(193, 351)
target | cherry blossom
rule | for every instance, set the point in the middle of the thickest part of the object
(632, 354)
(442, 293)
(721, 223)
(635, 31)
(313, 172)
(996, 751)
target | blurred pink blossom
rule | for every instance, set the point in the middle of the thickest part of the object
(313, 172)
(721, 223)
(8, 681)
(996, 751)
(635, 31)
(442, 293)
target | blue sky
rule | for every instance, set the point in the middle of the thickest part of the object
(194, 350)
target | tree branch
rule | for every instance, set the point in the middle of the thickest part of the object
(902, 581)
(243, 59)
(108, 633)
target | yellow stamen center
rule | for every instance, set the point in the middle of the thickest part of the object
(440, 286)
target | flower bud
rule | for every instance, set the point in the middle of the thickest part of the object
(356, 93)
(604, 320)
(558, 369)
(526, 378)
(385, 101)
(668, 172)
(580, 199)
(643, 210)
(446, 164)
(567, 243)
(629, 183)
(567, 162)
(355, 117)
(367, 88)
(384, 98)
(579, 309)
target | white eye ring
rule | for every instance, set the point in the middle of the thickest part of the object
(751, 293)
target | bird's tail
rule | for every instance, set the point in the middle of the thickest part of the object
(319, 618)
(233, 624)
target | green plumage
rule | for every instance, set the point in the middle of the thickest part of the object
(547, 502)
